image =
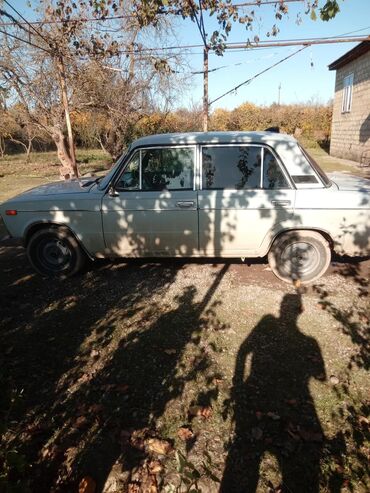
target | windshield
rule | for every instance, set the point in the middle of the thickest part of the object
(107, 178)
(316, 167)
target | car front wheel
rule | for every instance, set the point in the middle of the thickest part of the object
(299, 256)
(55, 252)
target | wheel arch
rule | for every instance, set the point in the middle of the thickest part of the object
(38, 225)
(323, 233)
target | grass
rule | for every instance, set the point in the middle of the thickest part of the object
(16, 175)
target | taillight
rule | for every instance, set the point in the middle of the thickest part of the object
(11, 212)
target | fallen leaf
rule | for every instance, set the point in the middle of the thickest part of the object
(185, 433)
(96, 408)
(87, 485)
(51, 452)
(363, 421)
(310, 436)
(217, 381)
(158, 446)
(81, 422)
(133, 488)
(170, 351)
(205, 412)
(291, 402)
(122, 388)
(155, 467)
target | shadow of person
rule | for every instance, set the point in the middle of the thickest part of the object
(273, 408)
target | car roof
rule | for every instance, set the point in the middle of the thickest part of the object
(213, 138)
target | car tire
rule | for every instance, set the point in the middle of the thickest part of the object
(55, 252)
(299, 256)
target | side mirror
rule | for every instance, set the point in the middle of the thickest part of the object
(112, 192)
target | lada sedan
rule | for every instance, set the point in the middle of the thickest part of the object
(221, 194)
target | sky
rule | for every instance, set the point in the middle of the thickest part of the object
(303, 78)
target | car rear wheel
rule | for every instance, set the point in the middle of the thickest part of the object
(55, 252)
(299, 256)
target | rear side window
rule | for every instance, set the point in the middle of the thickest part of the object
(273, 177)
(231, 167)
(167, 169)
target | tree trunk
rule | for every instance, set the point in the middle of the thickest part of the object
(67, 170)
(63, 88)
(29, 149)
(2, 147)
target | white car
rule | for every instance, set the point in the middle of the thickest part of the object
(217, 194)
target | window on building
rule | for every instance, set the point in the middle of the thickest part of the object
(347, 93)
(231, 167)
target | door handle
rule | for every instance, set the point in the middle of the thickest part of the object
(185, 204)
(281, 203)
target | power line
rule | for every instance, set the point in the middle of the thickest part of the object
(260, 44)
(26, 21)
(25, 41)
(257, 75)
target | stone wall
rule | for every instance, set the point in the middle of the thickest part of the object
(350, 134)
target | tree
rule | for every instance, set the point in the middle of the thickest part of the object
(43, 65)
(52, 76)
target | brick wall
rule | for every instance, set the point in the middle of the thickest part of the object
(350, 134)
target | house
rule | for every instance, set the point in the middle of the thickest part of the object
(350, 134)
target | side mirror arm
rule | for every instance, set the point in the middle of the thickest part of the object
(112, 192)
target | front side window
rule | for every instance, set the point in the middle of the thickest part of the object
(231, 167)
(347, 93)
(130, 178)
(167, 169)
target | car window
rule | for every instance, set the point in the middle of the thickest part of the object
(231, 167)
(130, 180)
(167, 169)
(273, 177)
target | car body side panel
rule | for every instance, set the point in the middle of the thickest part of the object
(235, 223)
(151, 223)
(345, 215)
(80, 213)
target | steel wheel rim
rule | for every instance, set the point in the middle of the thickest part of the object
(54, 254)
(300, 259)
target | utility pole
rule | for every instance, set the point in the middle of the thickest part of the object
(205, 89)
(279, 90)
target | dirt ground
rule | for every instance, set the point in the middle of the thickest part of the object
(179, 376)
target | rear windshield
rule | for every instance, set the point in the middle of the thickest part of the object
(316, 167)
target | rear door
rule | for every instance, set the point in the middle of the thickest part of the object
(245, 197)
(154, 211)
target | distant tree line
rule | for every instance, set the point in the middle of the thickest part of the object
(103, 128)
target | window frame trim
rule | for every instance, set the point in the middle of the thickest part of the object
(263, 146)
(347, 93)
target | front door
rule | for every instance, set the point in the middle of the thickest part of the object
(154, 210)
